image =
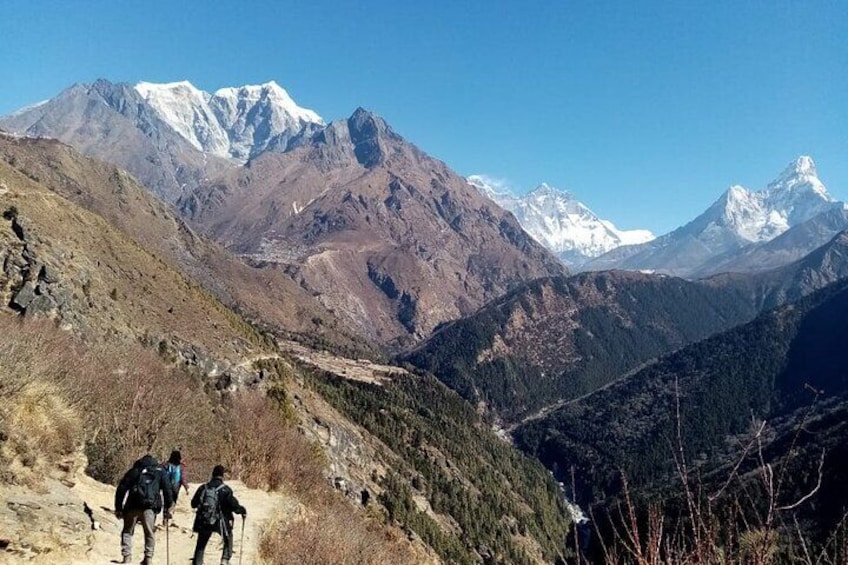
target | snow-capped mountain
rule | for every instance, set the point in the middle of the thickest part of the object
(739, 219)
(557, 220)
(235, 122)
(171, 136)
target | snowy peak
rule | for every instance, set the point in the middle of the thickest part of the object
(557, 220)
(186, 109)
(794, 197)
(737, 224)
(235, 122)
(798, 182)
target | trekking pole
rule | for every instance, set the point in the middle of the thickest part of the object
(241, 543)
(167, 542)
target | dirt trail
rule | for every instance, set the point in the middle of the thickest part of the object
(262, 507)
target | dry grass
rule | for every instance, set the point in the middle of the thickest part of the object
(265, 450)
(38, 433)
(39, 430)
(335, 533)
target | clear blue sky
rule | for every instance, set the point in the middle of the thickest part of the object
(645, 110)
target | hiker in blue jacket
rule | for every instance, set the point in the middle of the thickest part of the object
(176, 472)
(139, 498)
(216, 505)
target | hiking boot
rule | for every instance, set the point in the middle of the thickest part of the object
(225, 562)
(147, 561)
(127, 559)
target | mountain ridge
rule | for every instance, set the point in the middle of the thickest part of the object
(738, 219)
(560, 222)
(385, 235)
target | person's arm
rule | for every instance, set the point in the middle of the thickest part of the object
(183, 478)
(233, 503)
(195, 500)
(121, 491)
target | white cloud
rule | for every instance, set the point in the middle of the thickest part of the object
(499, 185)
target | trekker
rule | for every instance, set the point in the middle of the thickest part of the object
(144, 486)
(175, 471)
(215, 504)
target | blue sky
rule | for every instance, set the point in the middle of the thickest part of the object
(646, 110)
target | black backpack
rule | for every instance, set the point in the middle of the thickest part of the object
(209, 511)
(145, 491)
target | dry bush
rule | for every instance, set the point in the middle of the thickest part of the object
(335, 533)
(135, 404)
(38, 429)
(755, 525)
(38, 432)
(129, 402)
(266, 451)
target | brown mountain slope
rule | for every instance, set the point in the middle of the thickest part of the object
(388, 237)
(64, 262)
(261, 294)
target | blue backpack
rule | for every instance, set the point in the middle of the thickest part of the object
(175, 475)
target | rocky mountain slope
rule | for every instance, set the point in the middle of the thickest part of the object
(775, 287)
(114, 123)
(736, 221)
(557, 220)
(386, 236)
(66, 263)
(260, 294)
(555, 339)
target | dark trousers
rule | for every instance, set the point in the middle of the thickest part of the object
(203, 538)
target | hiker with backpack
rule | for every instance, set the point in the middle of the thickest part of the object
(216, 504)
(175, 471)
(139, 498)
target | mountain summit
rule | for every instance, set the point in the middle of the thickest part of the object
(234, 122)
(384, 235)
(739, 219)
(170, 136)
(560, 222)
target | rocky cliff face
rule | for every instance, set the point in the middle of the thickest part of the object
(386, 236)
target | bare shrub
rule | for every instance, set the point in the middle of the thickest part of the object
(266, 451)
(754, 524)
(135, 404)
(128, 401)
(336, 534)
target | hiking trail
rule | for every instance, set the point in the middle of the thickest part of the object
(262, 507)
(51, 527)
